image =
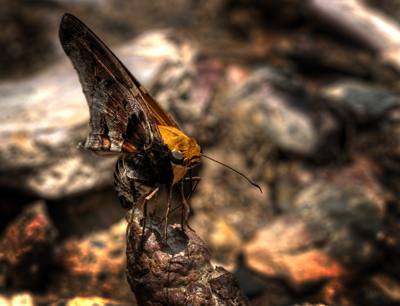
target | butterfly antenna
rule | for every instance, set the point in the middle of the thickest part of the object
(250, 181)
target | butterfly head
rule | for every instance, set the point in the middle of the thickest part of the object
(185, 152)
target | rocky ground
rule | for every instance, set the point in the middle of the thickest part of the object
(300, 96)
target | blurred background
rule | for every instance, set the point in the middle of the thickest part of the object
(300, 96)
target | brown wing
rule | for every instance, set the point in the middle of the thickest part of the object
(121, 110)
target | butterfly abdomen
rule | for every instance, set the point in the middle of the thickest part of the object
(137, 174)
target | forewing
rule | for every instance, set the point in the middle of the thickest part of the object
(159, 113)
(120, 118)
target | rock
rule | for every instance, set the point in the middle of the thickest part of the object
(347, 211)
(370, 290)
(321, 52)
(290, 178)
(4, 301)
(90, 212)
(286, 249)
(362, 100)
(21, 299)
(333, 292)
(88, 301)
(274, 109)
(310, 304)
(221, 238)
(389, 286)
(26, 248)
(68, 177)
(389, 239)
(358, 291)
(331, 233)
(364, 24)
(93, 265)
(382, 144)
(175, 269)
(186, 90)
(38, 115)
(250, 284)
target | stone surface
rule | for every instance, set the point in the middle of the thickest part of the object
(286, 249)
(382, 145)
(175, 270)
(346, 211)
(21, 299)
(87, 301)
(389, 286)
(275, 110)
(331, 233)
(93, 265)
(221, 238)
(365, 24)
(365, 101)
(26, 248)
(333, 292)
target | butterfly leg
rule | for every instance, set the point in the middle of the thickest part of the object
(169, 191)
(186, 211)
(196, 179)
(185, 201)
(155, 204)
(186, 208)
(144, 207)
(147, 198)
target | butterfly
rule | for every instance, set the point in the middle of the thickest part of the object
(127, 122)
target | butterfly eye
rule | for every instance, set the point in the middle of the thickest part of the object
(176, 157)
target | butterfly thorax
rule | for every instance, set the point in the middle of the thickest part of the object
(137, 174)
(187, 147)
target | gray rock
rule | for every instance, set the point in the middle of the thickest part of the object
(364, 101)
(347, 213)
(277, 110)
